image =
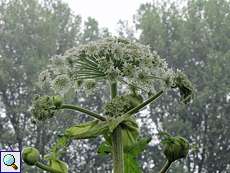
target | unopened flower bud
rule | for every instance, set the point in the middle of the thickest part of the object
(185, 87)
(42, 108)
(122, 104)
(30, 155)
(57, 101)
(175, 148)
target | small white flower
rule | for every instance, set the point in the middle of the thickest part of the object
(44, 77)
(61, 84)
(110, 59)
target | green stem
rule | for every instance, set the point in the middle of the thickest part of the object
(47, 168)
(113, 89)
(166, 167)
(74, 107)
(140, 106)
(117, 146)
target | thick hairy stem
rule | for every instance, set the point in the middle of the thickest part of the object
(117, 146)
(118, 155)
(113, 89)
(166, 167)
(76, 108)
(47, 168)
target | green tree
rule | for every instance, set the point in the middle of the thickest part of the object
(126, 30)
(194, 38)
(91, 30)
(30, 33)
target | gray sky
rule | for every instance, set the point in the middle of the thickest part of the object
(106, 12)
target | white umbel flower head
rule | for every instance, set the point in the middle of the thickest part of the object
(110, 59)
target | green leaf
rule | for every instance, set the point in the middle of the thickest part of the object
(59, 147)
(138, 147)
(131, 164)
(131, 153)
(59, 165)
(87, 130)
(104, 149)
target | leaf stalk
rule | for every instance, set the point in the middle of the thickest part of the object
(86, 111)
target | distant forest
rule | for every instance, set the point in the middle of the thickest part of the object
(194, 37)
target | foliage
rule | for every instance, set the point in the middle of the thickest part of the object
(31, 32)
(193, 37)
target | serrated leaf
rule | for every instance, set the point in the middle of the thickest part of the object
(87, 130)
(131, 164)
(138, 147)
(59, 165)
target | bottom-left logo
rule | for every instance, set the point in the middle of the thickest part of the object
(10, 162)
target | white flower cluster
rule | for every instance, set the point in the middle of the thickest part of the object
(108, 59)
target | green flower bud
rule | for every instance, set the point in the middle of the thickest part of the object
(185, 87)
(118, 106)
(42, 108)
(30, 155)
(122, 104)
(184, 146)
(57, 101)
(175, 148)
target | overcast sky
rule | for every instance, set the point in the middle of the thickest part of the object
(106, 12)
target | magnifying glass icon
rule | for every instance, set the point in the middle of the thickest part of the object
(9, 160)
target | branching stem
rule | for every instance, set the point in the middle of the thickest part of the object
(86, 111)
(140, 106)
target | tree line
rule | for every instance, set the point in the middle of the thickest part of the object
(194, 37)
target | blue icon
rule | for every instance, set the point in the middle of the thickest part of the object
(9, 160)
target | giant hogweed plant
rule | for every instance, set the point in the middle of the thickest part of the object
(117, 61)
